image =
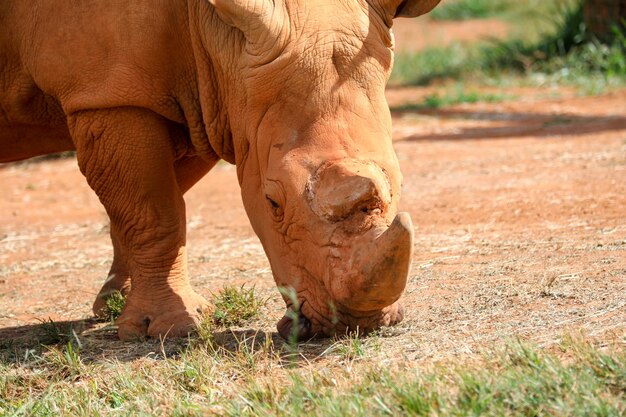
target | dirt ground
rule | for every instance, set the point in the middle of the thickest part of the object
(519, 211)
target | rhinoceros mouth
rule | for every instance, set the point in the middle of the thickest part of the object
(302, 321)
(295, 325)
(307, 322)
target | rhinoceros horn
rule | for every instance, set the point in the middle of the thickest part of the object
(377, 272)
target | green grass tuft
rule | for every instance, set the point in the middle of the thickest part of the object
(235, 306)
(114, 306)
(54, 333)
(206, 332)
(354, 346)
(66, 362)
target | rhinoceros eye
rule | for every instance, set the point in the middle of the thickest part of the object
(273, 203)
(277, 210)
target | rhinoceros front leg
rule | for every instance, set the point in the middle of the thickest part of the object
(127, 156)
(189, 170)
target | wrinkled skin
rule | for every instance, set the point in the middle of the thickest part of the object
(151, 95)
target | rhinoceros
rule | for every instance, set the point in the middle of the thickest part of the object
(152, 94)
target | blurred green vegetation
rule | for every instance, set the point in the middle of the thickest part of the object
(470, 9)
(457, 94)
(549, 44)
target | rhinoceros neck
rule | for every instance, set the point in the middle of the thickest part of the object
(215, 50)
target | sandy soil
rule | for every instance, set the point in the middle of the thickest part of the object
(519, 211)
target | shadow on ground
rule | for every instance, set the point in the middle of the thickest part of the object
(97, 342)
(514, 125)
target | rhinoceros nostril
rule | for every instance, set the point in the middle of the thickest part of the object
(371, 210)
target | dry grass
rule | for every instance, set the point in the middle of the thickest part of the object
(246, 373)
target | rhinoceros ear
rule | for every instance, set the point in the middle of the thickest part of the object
(259, 20)
(413, 8)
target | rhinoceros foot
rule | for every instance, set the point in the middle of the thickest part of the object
(176, 315)
(114, 283)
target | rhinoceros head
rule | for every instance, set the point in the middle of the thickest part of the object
(312, 137)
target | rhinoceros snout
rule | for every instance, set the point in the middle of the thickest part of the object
(340, 189)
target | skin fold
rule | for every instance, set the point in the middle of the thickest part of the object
(151, 94)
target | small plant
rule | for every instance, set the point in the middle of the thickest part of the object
(66, 362)
(54, 333)
(235, 306)
(351, 347)
(354, 345)
(114, 305)
(250, 350)
(206, 334)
